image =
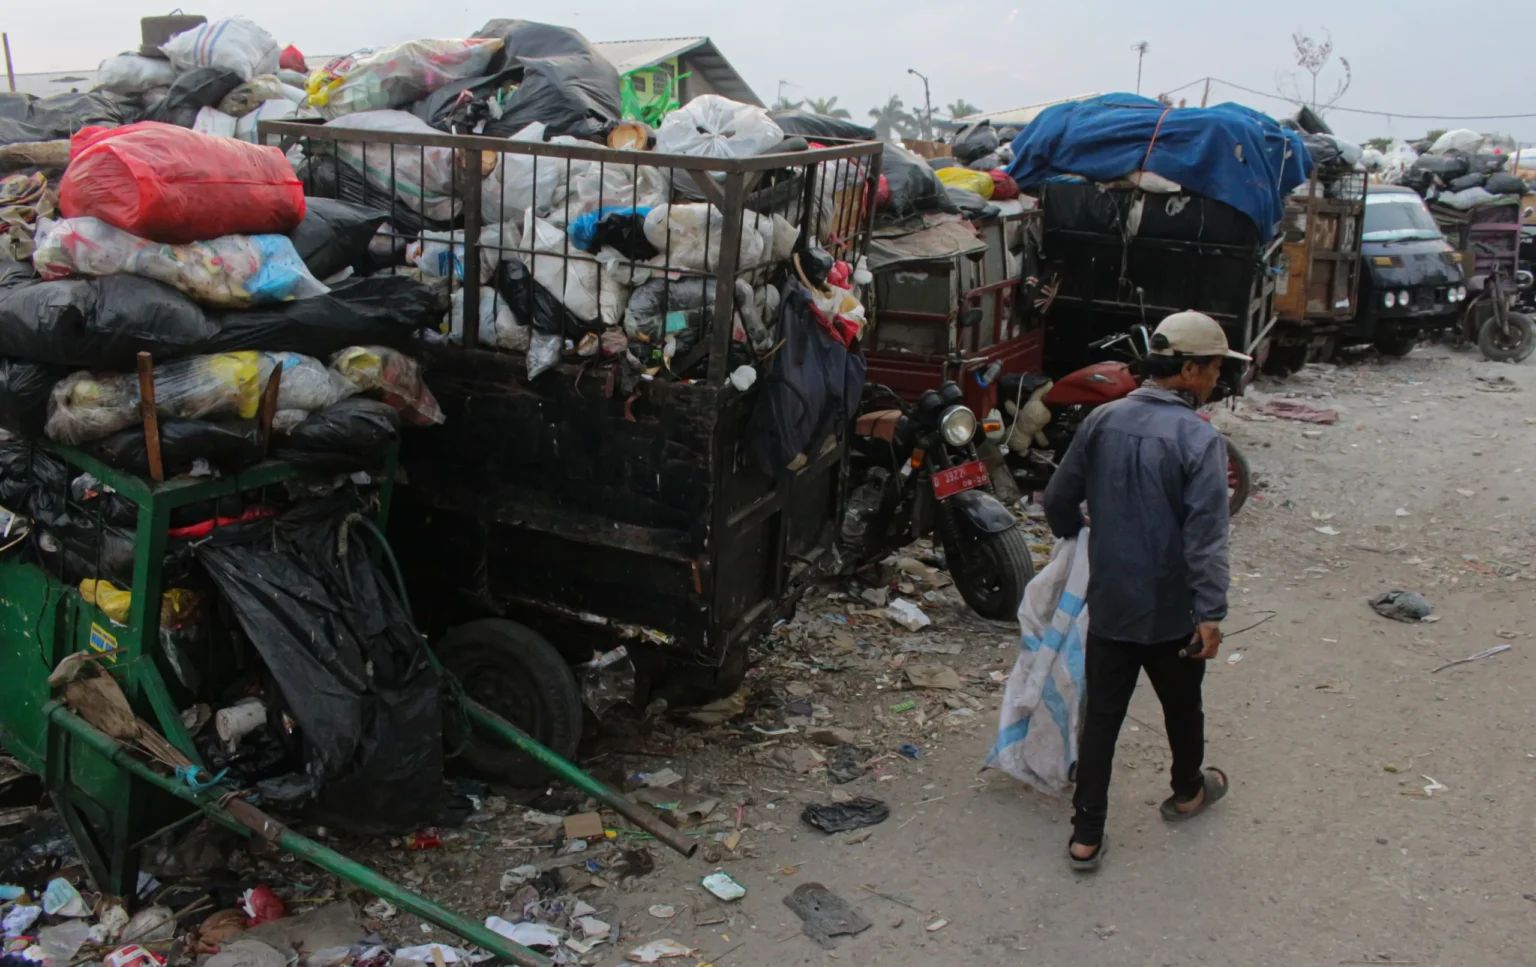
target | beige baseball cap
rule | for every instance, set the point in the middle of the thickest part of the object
(1191, 333)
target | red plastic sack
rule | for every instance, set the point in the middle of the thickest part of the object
(1004, 188)
(882, 193)
(169, 184)
(292, 60)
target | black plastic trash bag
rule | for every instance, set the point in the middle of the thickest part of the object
(324, 176)
(913, 185)
(339, 644)
(343, 437)
(814, 127)
(971, 205)
(1445, 166)
(194, 90)
(32, 481)
(228, 445)
(24, 389)
(1504, 183)
(98, 323)
(811, 388)
(385, 310)
(1473, 179)
(534, 305)
(25, 117)
(335, 235)
(975, 141)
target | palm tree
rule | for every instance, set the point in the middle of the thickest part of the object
(827, 106)
(892, 119)
(785, 104)
(961, 108)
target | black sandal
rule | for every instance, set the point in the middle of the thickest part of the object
(1216, 786)
(1091, 863)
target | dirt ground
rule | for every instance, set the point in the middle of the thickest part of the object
(1381, 809)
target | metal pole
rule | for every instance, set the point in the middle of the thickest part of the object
(10, 70)
(499, 727)
(304, 848)
(927, 105)
(1205, 95)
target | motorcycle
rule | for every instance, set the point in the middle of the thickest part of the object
(1041, 417)
(1491, 319)
(914, 471)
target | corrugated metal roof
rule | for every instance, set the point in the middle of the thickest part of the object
(632, 55)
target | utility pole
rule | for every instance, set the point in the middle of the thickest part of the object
(1206, 94)
(927, 105)
(10, 70)
(783, 84)
(1140, 47)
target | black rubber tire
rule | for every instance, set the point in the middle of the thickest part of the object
(1008, 564)
(1239, 478)
(1286, 360)
(1496, 348)
(514, 671)
(1397, 343)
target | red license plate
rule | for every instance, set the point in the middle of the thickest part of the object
(967, 476)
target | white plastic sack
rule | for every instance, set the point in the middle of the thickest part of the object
(688, 236)
(395, 76)
(439, 255)
(130, 74)
(711, 126)
(498, 327)
(521, 182)
(307, 384)
(425, 188)
(1464, 140)
(590, 294)
(232, 271)
(1469, 198)
(233, 44)
(277, 110)
(594, 186)
(1042, 711)
(212, 121)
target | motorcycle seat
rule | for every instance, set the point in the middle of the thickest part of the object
(878, 424)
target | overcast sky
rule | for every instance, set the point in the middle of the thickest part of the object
(1408, 56)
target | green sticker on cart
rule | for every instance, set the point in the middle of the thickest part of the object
(103, 642)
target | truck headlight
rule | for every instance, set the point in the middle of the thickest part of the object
(958, 426)
(1461, 293)
(1389, 299)
(1403, 298)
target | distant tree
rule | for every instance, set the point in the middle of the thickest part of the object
(1380, 144)
(1433, 134)
(892, 120)
(827, 106)
(961, 108)
(785, 104)
(1313, 56)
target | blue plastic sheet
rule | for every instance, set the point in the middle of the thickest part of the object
(1229, 152)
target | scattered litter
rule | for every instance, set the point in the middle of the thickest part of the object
(153, 925)
(593, 929)
(824, 915)
(380, 909)
(133, 956)
(528, 933)
(845, 764)
(908, 615)
(517, 876)
(841, 817)
(1465, 492)
(1234, 658)
(62, 941)
(1297, 410)
(910, 751)
(61, 899)
(1399, 605)
(933, 676)
(1495, 384)
(660, 779)
(583, 826)
(1485, 653)
(720, 711)
(1434, 785)
(937, 925)
(724, 887)
(1329, 530)
(1402, 512)
(662, 911)
(906, 705)
(247, 953)
(658, 950)
(431, 953)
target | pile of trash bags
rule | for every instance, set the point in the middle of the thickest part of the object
(1460, 169)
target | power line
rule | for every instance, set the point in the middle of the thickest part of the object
(1360, 110)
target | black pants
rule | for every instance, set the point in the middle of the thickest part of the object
(1111, 670)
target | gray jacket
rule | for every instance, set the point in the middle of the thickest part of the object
(1155, 478)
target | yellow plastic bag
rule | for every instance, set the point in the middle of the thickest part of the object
(176, 605)
(978, 181)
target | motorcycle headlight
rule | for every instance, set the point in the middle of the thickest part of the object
(1402, 297)
(1389, 300)
(958, 426)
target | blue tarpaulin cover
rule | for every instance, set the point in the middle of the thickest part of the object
(1229, 152)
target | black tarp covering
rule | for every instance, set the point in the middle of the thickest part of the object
(812, 385)
(346, 436)
(561, 80)
(194, 90)
(914, 187)
(976, 141)
(533, 304)
(338, 642)
(335, 235)
(24, 389)
(228, 445)
(25, 117)
(102, 323)
(813, 126)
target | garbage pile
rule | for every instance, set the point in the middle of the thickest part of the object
(1460, 169)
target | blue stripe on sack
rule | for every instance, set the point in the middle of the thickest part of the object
(1029, 643)
(1070, 603)
(1008, 735)
(1057, 706)
(213, 43)
(1075, 656)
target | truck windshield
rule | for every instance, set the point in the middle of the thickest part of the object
(1398, 217)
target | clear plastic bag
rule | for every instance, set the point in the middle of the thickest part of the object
(711, 126)
(521, 182)
(394, 376)
(421, 179)
(307, 384)
(688, 236)
(231, 271)
(256, 92)
(544, 351)
(88, 406)
(234, 44)
(131, 74)
(590, 291)
(498, 326)
(398, 75)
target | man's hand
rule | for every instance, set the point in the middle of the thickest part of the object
(1205, 642)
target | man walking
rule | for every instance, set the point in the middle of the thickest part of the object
(1154, 475)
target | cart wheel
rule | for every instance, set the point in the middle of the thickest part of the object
(515, 672)
(1286, 360)
(1398, 343)
(1515, 346)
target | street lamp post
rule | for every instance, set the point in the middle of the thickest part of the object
(1141, 52)
(927, 105)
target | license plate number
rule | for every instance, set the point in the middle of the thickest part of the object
(967, 476)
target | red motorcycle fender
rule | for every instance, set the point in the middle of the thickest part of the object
(985, 512)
